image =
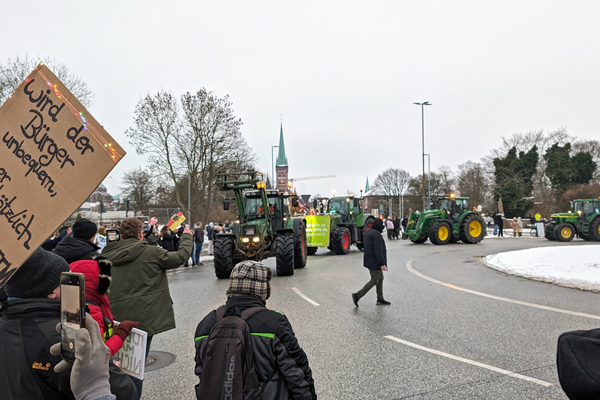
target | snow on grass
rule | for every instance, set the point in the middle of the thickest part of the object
(570, 266)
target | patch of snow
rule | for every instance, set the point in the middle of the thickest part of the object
(576, 266)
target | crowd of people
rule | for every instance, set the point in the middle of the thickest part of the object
(126, 281)
(516, 224)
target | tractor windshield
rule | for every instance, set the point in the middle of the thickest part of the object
(462, 205)
(254, 208)
(445, 204)
(585, 208)
(275, 207)
(338, 205)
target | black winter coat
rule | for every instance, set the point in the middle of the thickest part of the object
(167, 241)
(277, 353)
(27, 330)
(375, 254)
(74, 249)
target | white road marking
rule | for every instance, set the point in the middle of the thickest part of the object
(478, 364)
(314, 303)
(409, 266)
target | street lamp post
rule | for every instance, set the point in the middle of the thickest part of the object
(428, 175)
(273, 166)
(425, 103)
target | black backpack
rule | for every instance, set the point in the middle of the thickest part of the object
(228, 364)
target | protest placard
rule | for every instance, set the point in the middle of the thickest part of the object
(131, 358)
(317, 230)
(53, 154)
(176, 221)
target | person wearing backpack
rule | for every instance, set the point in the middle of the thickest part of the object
(246, 351)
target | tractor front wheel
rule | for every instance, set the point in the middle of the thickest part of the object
(300, 249)
(549, 231)
(421, 239)
(472, 229)
(285, 254)
(341, 240)
(564, 232)
(223, 256)
(440, 233)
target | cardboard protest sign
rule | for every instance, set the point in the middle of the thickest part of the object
(176, 221)
(317, 230)
(132, 356)
(53, 154)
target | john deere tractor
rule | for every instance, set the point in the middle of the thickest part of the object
(347, 223)
(583, 221)
(451, 220)
(265, 227)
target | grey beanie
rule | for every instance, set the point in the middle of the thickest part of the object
(38, 276)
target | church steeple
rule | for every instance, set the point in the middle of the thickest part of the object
(281, 158)
(367, 187)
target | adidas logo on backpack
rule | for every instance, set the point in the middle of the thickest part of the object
(228, 364)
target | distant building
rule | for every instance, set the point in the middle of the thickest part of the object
(281, 165)
(101, 195)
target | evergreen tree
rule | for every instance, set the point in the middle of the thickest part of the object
(565, 171)
(513, 178)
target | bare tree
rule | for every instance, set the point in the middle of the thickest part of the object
(194, 137)
(138, 187)
(14, 72)
(391, 182)
(473, 182)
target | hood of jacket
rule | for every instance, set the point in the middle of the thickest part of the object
(378, 225)
(73, 249)
(22, 307)
(124, 251)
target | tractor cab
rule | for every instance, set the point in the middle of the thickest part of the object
(454, 206)
(347, 207)
(586, 209)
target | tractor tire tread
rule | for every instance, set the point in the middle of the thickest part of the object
(285, 254)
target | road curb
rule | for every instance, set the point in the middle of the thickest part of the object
(558, 282)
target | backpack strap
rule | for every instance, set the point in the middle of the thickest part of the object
(249, 312)
(221, 312)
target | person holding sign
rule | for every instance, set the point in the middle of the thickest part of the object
(140, 288)
(27, 330)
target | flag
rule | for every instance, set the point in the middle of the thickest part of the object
(175, 221)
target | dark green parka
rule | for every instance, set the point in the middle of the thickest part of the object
(140, 289)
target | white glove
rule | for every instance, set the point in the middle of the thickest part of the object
(89, 375)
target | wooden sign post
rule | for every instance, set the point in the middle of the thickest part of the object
(53, 154)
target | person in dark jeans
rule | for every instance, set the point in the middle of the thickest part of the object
(198, 241)
(375, 259)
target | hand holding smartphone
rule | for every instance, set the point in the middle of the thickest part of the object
(72, 311)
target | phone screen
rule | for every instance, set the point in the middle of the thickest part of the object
(71, 316)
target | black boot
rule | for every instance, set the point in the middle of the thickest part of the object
(355, 299)
(382, 302)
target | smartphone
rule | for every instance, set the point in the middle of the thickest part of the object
(72, 311)
(112, 235)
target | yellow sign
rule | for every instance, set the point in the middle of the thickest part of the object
(317, 230)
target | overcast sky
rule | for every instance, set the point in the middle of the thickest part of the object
(344, 74)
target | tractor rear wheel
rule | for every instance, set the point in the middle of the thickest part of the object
(549, 231)
(564, 232)
(340, 240)
(285, 254)
(300, 249)
(595, 231)
(223, 252)
(472, 229)
(440, 233)
(421, 239)
(312, 251)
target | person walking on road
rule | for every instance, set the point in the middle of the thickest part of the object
(375, 259)
(279, 361)
(209, 235)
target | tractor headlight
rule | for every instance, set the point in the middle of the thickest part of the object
(245, 240)
(256, 239)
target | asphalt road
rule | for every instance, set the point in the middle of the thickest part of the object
(433, 342)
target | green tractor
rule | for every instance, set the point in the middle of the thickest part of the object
(451, 220)
(347, 223)
(265, 227)
(583, 221)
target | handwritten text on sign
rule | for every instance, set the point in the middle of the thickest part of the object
(53, 154)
